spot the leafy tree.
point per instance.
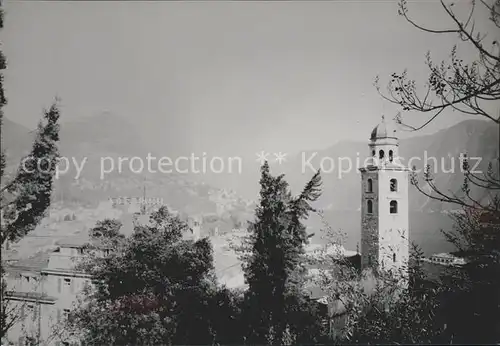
(375, 306)
(472, 304)
(272, 261)
(158, 289)
(25, 197)
(391, 314)
(107, 228)
(471, 88)
(469, 302)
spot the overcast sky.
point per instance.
(222, 77)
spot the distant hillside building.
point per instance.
(43, 290)
(446, 259)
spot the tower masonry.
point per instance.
(384, 203)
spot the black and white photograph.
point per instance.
(234, 172)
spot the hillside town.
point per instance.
(239, 174)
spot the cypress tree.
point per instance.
(273, 268)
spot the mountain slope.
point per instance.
(108, 152)
(16, 141)
(341, 185)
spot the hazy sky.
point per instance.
(222, 77)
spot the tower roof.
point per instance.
(383, 130)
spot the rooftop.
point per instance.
(35, 263)
(444, 255)
(78, 241)
(383, 130)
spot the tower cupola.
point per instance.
(384, 144)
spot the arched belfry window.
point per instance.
(381, 154)
(373, 152)
(394, 257)
(369, 187)
(390, 155)
(369, 207)
(393, 207)
(394, 185)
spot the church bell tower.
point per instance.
(384, 204)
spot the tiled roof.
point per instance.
(78, 241)
(35, 263)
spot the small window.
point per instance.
(65, 314)
(67, 282)
(393, 207)
(394, 185)
(394, 257)
(390, 156)
(381, 154)
(369, 207)
(373, 153)
(370, 185)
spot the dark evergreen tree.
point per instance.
(272, 264)
(25, 197)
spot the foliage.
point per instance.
(377, 306)
(454, 84)
(469, 298)
(107, 228)
(159, 289)
(25, 197)
(473, 300)
(471, 88)
(272, 256)
(400, 314)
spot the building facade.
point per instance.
(384, 204)
(42, 293)
(44, 289)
